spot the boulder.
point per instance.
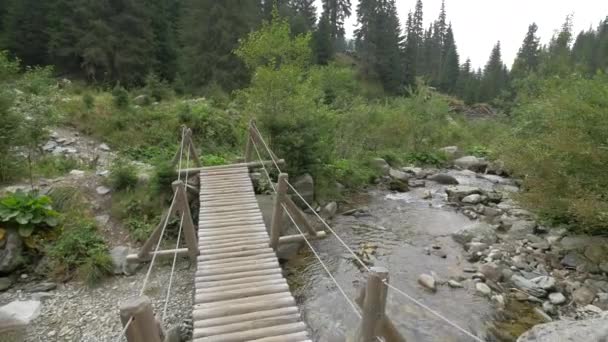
(590, 330)
(521, 229)
(544, 282)
(573, 260)
(416, 183)
(329, 210)
(427, 281)
(491, 271)
(452, 152)
(102, 190)
(444, 178)
(528, 286)
(557, 298)
(398, 185)
(483, 289)
(77, 173)
(454, 284)
(10, 252)
(457, 193)
(119, 260)
(472, 199)
(5, 283)
(480, 232)
(399, 175)
(104, 147)
(305, 185)
(24, 311)
(596, 253)
(580, 242)
(497, 167)
(584, 295)
(287, 251)
(381, 166)
(471, 163)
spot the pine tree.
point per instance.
(418, 34)
(210, 31)
(306, 12)
(583, 52)
(410, 51)
(450, 69)
(337, 11)
(494, 79)
(601, 49)
(323, 46)
(25, 30)
(557, 59)
(165, 14)
(528, 56)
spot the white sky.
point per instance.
(478, 24)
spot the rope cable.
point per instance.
(270, 153)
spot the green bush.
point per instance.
(120, 97)
(426, 159)
(27, 212)
(212, 159)
(52, 166)
(139, 229)
(80, 250)
(164, 175)
(88, 100)
(123, 175)
(157, 89)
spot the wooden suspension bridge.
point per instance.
(240, 293)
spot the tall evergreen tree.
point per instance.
(410, 51)
(557, 59)
(528, 56)
(25, 30)
(337, 11)
(450, 69)
(323, 45)
(306, 12)
(165, 15)
(210, 31)
(494, 79)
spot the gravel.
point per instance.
(74, 312)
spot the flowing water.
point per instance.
(395, 234)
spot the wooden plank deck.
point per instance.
(240, 293)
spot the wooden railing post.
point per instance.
(374, 305)
(143, 327)
(183, 206)
(249, 143)
(276, 225)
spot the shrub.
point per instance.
(123, 175)
(89, 101)
(139, 229)
(156, 88)
(164, 175)
(80, 250)
(120, 97)
(27, 212)
(52, 166)
(212, 159)
(426, 158)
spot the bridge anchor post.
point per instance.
(276, 225)
(143, 326)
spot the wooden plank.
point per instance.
(242, 308)
(213, 322)
(216, 216)
(246, 325)
(230, 222)
(231, 237)
(224, 250)
(295, 337)
(236, 226)
(202, 298)
(239, 281)
(229, 231)
(215, 289)
(231, 208)
(213, 204)
(235, 270)
(240, 275)
(233, 254)
(221, 303)
(236, 243)
(255, 333)
(239, 259)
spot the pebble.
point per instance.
(483, 289)
(427, 281)
(557, 298)
(454, 284)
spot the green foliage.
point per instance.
(157, 89)
(139, 230)
(218, 128)
(164, 175)
(121, 97)
(67, 199)
(353, 174)
(89, 101)
(480, 151)
(50, 166)
(212, 159)
(123, 175)
(80, 249)
(28, 212)
(559, 146)
(425, 159)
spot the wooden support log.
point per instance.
(218, 170)
(276, 225)
(372, 300)
(189, 230)
(164, 253)
(193, 153)
(298, 216)
(299, 238)
(143, 326)
(249, 144)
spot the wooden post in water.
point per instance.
(374, 306)
(143, 327)
(276, 225)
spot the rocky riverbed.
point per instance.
(457, 240)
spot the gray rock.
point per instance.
(549, 308)
(472, 199)
(427, 281)
(77, 173)
(104, 147)
(580, 242)
(416, 183)
(443, 178)
(454, 284)
(119, 260)
(399, 175)
(141, 100)
(584, 295)
(471, 163)
(102, 220)
(520, 229)
(288, 251)
(573, 260)
(602, 300)
(457, 193)
(590, 330)
(329, 210)
(474, 247)
(483, 289)
(49, 146)
(557, 298)
(102, 190)
(398, 185)
(10, 252)
(528, 286)
(491, 271)
(5, 283)
(544, 282)
(451, 152)
(41, 287)
(596, 253)
(414, 171)
(24, 311)
(381, 166)
(481, 232)
(305, 185)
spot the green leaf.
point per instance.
(26, 231)
(52, 221)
